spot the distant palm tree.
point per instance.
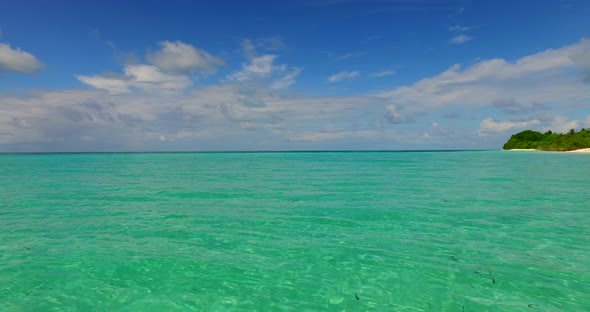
(572, 131)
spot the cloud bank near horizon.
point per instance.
(161, 104)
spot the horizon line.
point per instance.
(251, 151)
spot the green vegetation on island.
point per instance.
(549, 141)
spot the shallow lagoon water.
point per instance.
(404, 231)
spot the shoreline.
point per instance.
(582, 150)
(578, 151)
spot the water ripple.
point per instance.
(487, 231)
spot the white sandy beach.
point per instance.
(583, 150)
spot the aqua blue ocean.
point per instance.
(400, 231)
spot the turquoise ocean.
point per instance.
(297, 231)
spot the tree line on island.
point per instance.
(549, 141)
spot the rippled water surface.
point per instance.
(403, 231)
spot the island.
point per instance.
(550, 141)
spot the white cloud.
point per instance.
(18, 60)
(172, 66)
(394, 114)
(150, 77)
(138, 107)
(325, 136)
(489, 125)
(460, 28)
(259, 66)
(383, 73)
(458, 39)
(546, 78)
(181, 58)
(249, 48)
(287, 80)
(560, 124)
(263, 67)
(111, 83)
(345, 75)
(582, 59)
(87, 119)
(146, 77)
(244, 104)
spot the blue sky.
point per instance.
(303, 75)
